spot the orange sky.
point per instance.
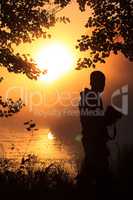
(70, 84)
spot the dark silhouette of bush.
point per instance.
(26, 182)
(33, 180)
(125, 171)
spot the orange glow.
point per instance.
(56, 58)
(50, 136)
(47, 146)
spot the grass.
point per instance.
(31, 179)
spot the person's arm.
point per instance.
(112, 116)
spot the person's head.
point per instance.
(97, 81)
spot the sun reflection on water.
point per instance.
(47, 146)
(43, 144)
(51, 136)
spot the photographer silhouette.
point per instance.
(94, 122)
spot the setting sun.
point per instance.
(56, 58)
(50, 136)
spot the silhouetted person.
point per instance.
(94, 122)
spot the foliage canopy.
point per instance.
(112, 30)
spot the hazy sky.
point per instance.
(61, 96)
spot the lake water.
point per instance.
(41, 143)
